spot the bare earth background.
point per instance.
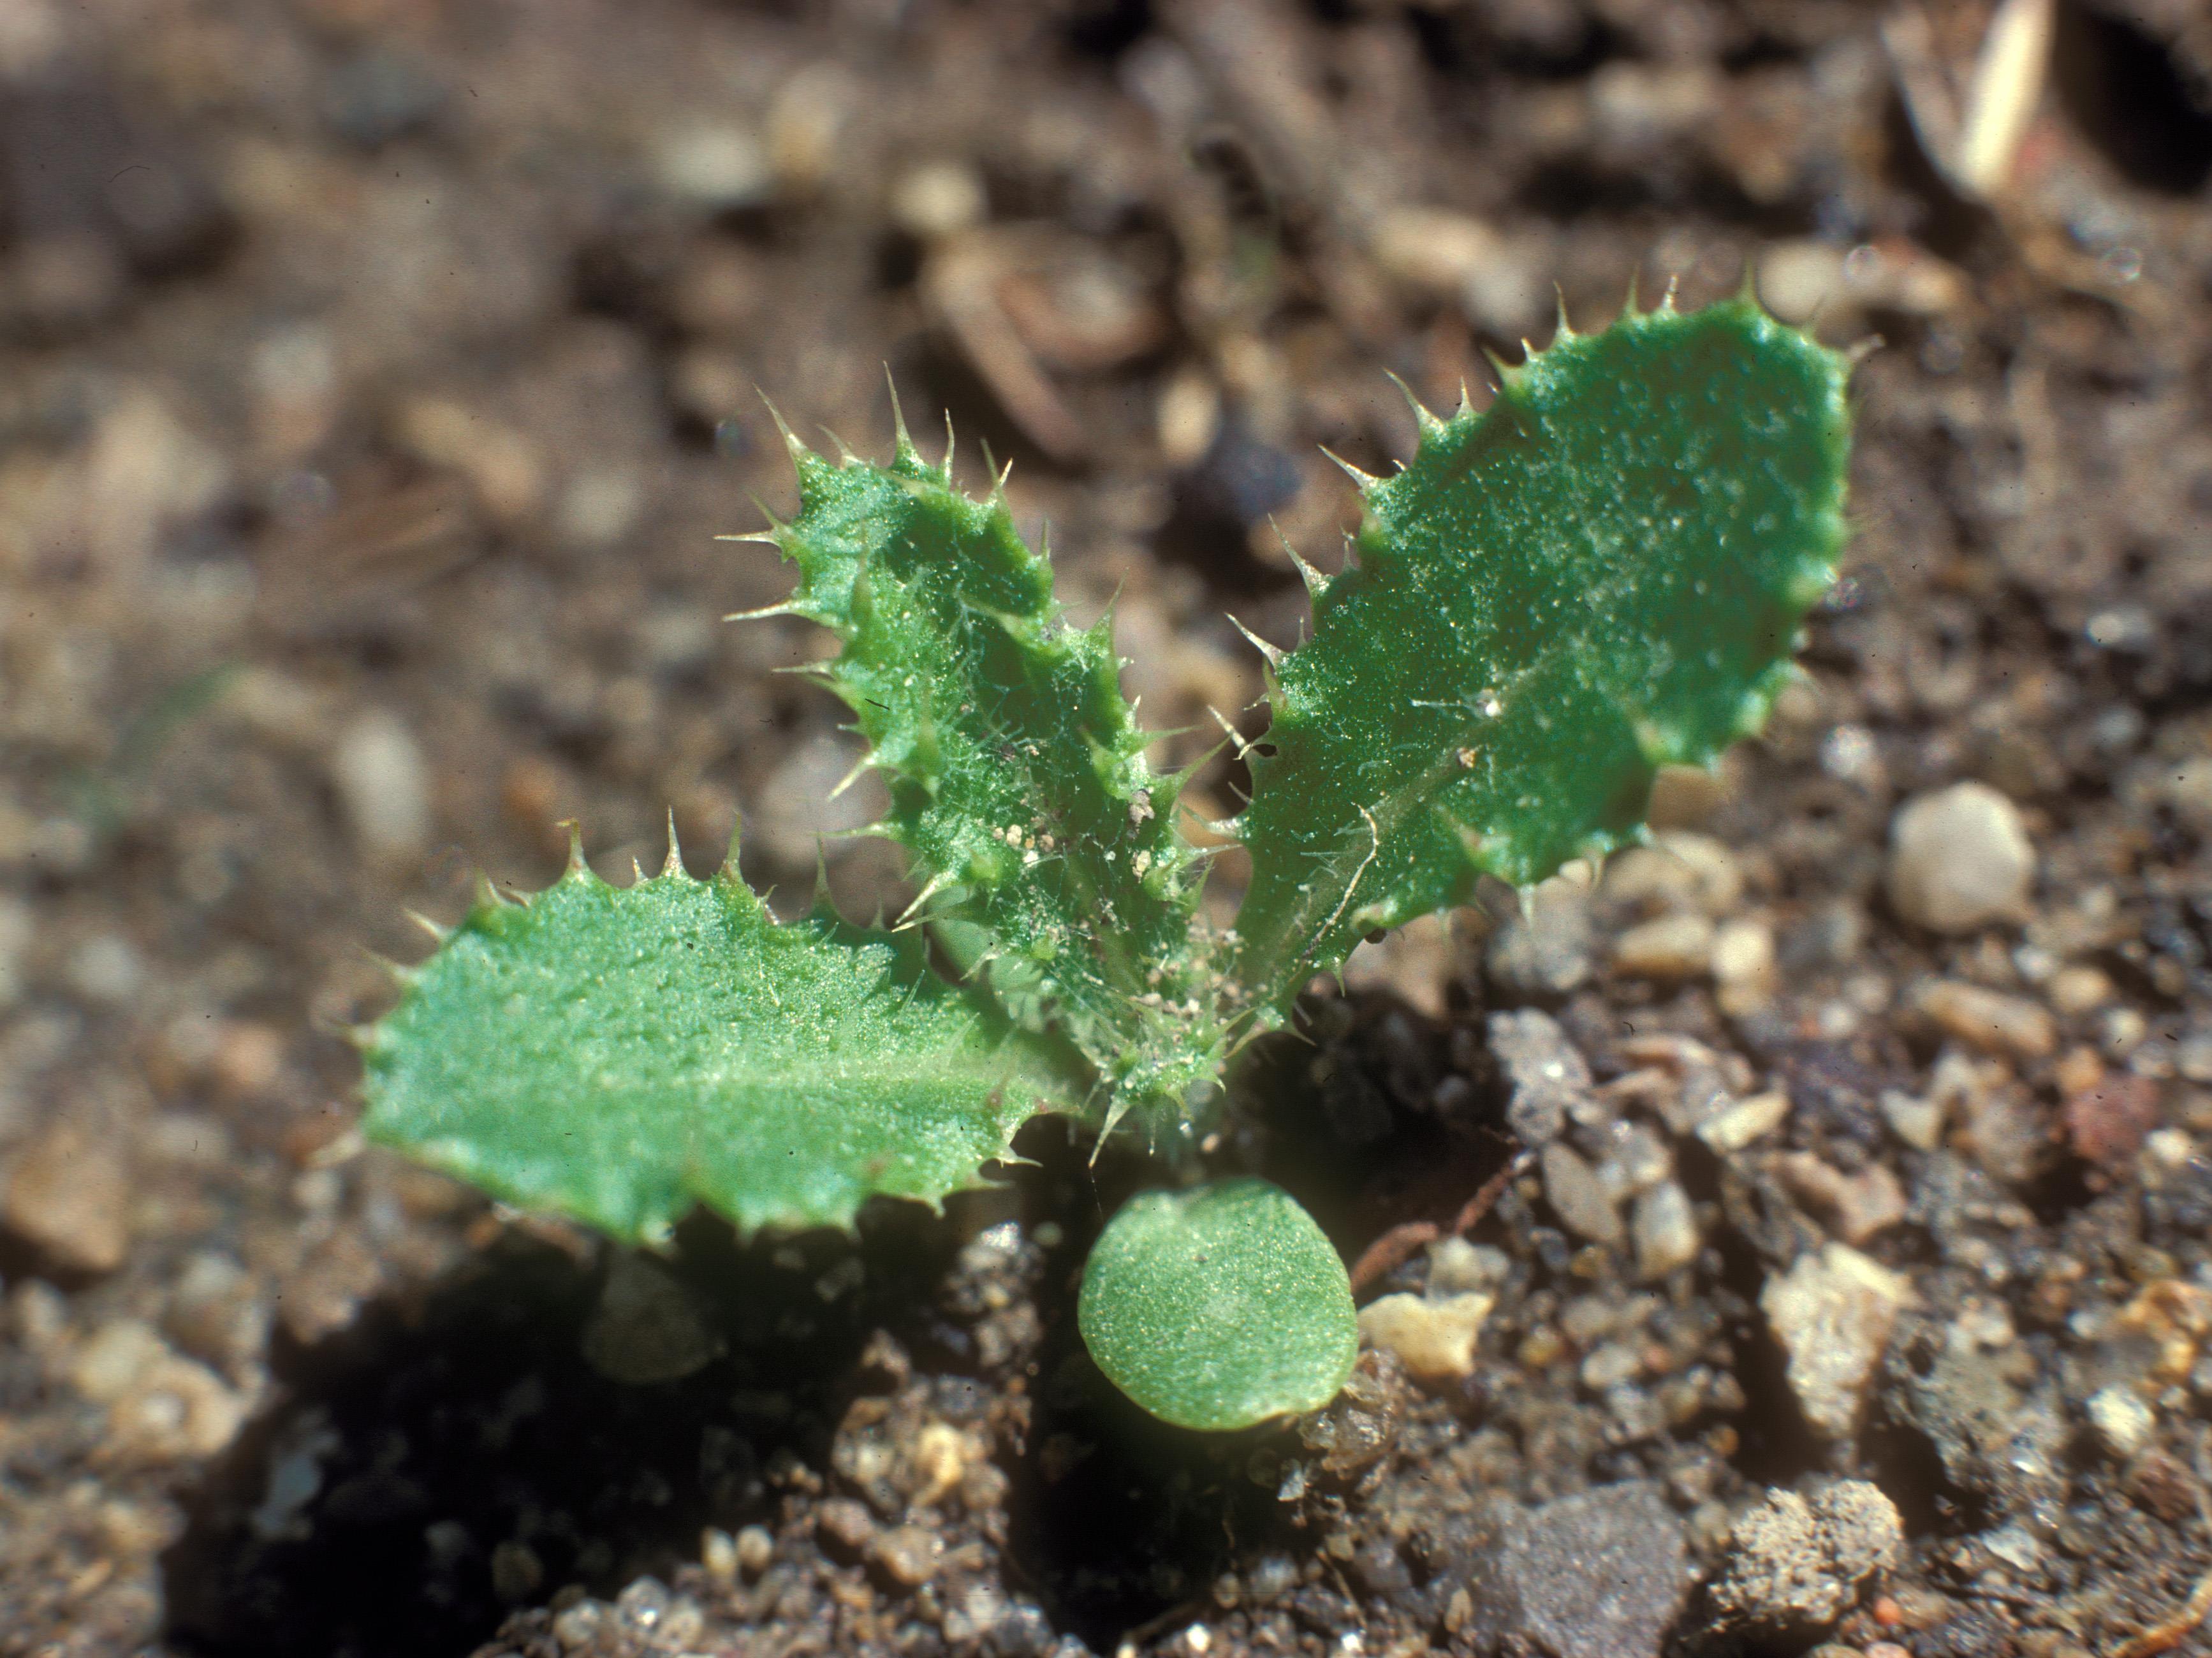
(374, 374)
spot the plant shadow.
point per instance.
(448, 1458)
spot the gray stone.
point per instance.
(1600, 1575)
(1959, 859)
(1549, 1079)
(1545, 951)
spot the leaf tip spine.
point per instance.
(1366, 483)
(1424, 418)
(903, 442)
(1274, 654)
(673, 864)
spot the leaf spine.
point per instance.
(799, 450)
(936, 884)
(1424, 417)
(1317, 584)
(904, 444)
(1274, 654)
(1365, 483)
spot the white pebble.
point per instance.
(1433, 1340)
(1665, 1230)
(384, 785)
(1959, 859)
(1833, 1313)
(2123, 1421)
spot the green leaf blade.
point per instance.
(616, 1055)
(1600, 573)
(1016, 769)
(1219, 1307)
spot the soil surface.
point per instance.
(374, 377)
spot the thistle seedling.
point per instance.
(1600, 573)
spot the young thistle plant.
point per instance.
(1601, 573)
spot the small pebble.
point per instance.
(70, 1198)
(1602, 1573)
(1858, 1206)
(1433, 1340)
(908, 1553)
(1678, 946)
(645, 1327)
(1917, 1122)
(1578, 1197)
(718, 1554)
(1456, 1266)
(1793, 1562)
(1545, 951)
(717, 168)
(105, 968)
(1989, 1019)
(1549, 1077)
(1610, 1365)
(383, 785)
(1833, 1313)
(937, 199)
(1740, 1122)
(517, 1573)
(756, 1547)
(2076, 990)
(1665, 1231)
(2123, 1421)
(1743, 965)
(15, 945)
(1679, 871)
(1639, 1160)
(1959, 859)
(845, 1524)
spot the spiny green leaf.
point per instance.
(1218, 1307)
(1602, 573)
(617, 1053)
(1016, 772)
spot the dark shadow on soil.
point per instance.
(2133, 100)
(442, 1461)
